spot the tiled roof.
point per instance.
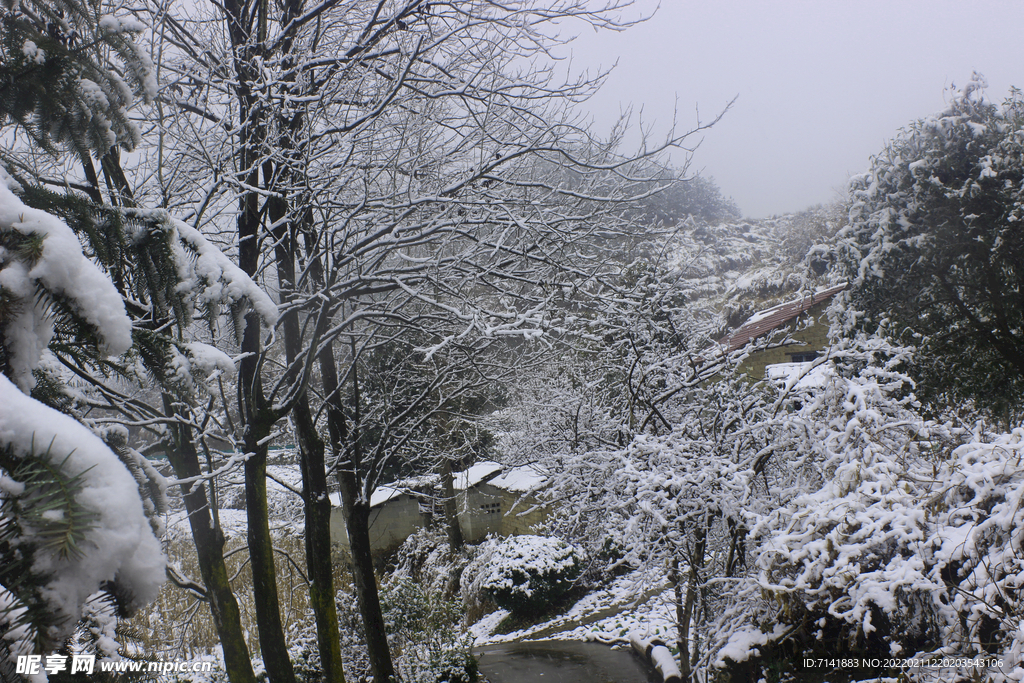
(765, 321)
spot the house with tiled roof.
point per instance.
(491, 499)
(803, 318)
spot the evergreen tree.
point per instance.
(69, 74)
(68, 77)
(934, 249)
(72, 521)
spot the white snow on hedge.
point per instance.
(120, 543)
(500, 564)
(61, 269)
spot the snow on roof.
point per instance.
(383, 494)
(763, 322)
(522, 479)
(805, 376)
(380, 496)
(476, 474)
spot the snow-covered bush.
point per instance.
(426, 634)
(524, 574)
(355, 660)
(894, 535)
(910, 553)
(425, 558)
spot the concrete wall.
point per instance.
(491, 510)
(484, 509)
(390, 524)
(815, 338)
(521, 515)
(480, 512)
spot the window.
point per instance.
(491, 508)
(803, 356)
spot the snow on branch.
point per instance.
(117, 543)
(220, 277)
(53, 263)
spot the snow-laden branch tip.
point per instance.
(60, 269)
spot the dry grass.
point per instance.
(177, 625)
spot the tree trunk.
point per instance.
(209, 541)
(258, 417)
(258, 422)
(261, 559)
(357, 524)
(451, 508)
(316, 504)
(317, 507)
(684, 608)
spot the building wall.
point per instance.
(815, 338)
(484, 509)
(390, 524)
(521, 515)
(480, 512)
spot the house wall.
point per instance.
(521, 515)
(480, 512)
(483, 509)
(390, 524)
(815, 338)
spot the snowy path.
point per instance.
(569, 623)
(561, 661)
(606, 616)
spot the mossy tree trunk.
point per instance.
(209, 542)
(356, 511)
(316, 503)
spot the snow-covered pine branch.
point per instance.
(71, 519)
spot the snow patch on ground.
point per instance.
(633, 602)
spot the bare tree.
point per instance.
(402, 173)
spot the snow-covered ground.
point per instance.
(285, 506)
(636, 602)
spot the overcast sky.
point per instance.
(822, 84)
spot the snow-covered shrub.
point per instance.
(303, 651)
(426, 559)
(454, 666)
(836, 550)
(426, 634)
(475, 600)
(901, 536)
(908, 554)
(608, 560)
(355, 661)
(524, 574)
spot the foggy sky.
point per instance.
(822, 84)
